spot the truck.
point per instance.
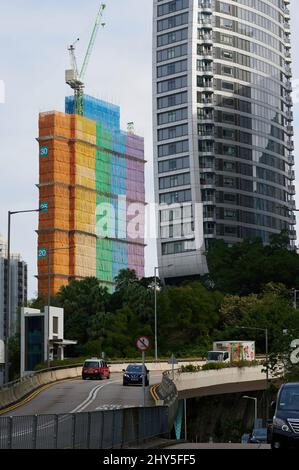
(232, 351)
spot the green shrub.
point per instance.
(190, 368)
(215, 366)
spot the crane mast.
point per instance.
(72, 76)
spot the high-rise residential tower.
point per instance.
(18, 293)
(92, 196)
(223, 134)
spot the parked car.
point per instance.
(133, 374)
(95, 369)
(259, 436)
(285, 429)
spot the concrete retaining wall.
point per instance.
(214, 382)
(16, 392)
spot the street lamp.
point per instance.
(265, 330)
(8, 303)
(255, 407)
(156, 320)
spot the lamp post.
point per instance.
(255, 407)
(265, 330)
(156, 319)
(8, 302)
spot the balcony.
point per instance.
(288, 71)
(291, 160)
(206, 38)
(206, 23)
(292, 234)
(290, 145)
(206, 6)
(206, 70)
(292, 189)
(288, 57)
(291, 175)
(288, 85)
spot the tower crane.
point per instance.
(73, 77)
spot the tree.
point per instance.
(82, 302)
(187, 315)
(246, 267)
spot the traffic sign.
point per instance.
(173, 360)
(143, 343)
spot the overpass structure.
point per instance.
(94, 426)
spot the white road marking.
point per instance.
(92, 396)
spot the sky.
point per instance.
(34, 36)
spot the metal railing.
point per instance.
(96, 430)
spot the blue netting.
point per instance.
(105, 113)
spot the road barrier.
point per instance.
(111, 429)
(14, 392)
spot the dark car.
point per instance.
(285, 429)
(95, 369)
(259, 436)
(133, 375)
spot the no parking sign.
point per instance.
(143, 343)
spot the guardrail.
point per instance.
(96, 430)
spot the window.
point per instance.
(228, 117)
(173, 148)
(230, 214)
(172, 68)
(172, 22)
(227, 86)
(167, 182)
(227, 55)
(55, 325)
(225, 39)
(172, 84)
(174, 197)
(173, 116)
(173, 132)
(227, 70)
(174, 164)
(178, 247)
(225, 8)
(227, 24)
(229, 182)
(229, 134)
(173, 100)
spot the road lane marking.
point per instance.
(92, 396)
(33, 395)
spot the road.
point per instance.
(221, 446)
(75, 396)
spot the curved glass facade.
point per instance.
(229, 62)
